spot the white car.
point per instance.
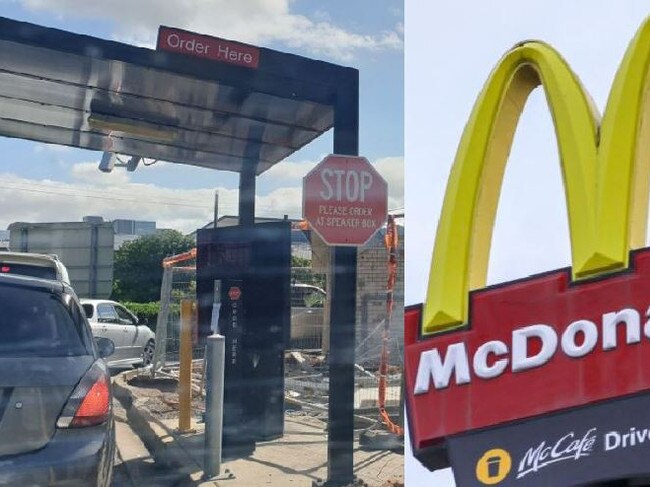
(133, 339)
(44, 266)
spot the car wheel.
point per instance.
(148, 352)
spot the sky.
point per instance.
(40, 182)
(450, 48)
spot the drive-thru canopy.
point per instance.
(70, 89)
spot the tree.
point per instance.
(138, 265)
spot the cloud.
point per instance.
(87, 172)
(392, 170)
(254, 21)
(40, 148)
(53, 201)
(289, 170)
(114, 195)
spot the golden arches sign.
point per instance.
(605, 168)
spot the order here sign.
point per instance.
(345, 200)
(198, 45)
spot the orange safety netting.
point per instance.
(391, 240)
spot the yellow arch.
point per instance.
(624, 154)
(605, 172)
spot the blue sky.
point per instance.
(450, 49)
(365, 34)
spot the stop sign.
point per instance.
(234, 293)
(345, 200)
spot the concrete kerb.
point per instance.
(166, 453)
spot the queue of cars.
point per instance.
(133, 339)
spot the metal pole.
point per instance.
(340, 427)
(188, 307)
(214, 366)
(247, 195)
(216, 208)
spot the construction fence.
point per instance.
(379, 336)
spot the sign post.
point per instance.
(345, 202)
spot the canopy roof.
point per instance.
(70, 89)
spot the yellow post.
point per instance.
(188, 315)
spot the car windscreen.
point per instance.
(35, 323)
(28, 270)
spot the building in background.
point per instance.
(4, 240)
(129, 230)
(371, 308)
(85, 248)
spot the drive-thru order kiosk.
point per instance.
(201, 101)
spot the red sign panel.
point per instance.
(345, 200)
(533, 346)
(234, 293)
(192, 44)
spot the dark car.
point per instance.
(56, 420)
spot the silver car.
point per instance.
(307, 306)
(134, 341)
(44, 266)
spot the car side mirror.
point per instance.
(105, 346)
(143, 321)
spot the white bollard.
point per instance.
(214, 364)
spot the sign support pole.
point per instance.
(247, 195)
(340, 428)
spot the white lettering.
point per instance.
(349, 185)
(352, 186)
(646, 327)
(520, 358)
(173, 40)
(632, 321)
(432, 367)
(566, 448)
(590, 332)
(326, 173)
(481, 367)
(490, 359)
(366, 184)
(612, 440)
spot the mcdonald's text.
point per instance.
(539, 345)
(492, 358)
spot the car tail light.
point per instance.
(90, 402)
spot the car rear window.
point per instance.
(38, 324)
(28, 270)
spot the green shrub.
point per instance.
(148, 311)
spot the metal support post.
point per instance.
(340, 428)
(214, 365)
(247, 195)
(188, 312)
